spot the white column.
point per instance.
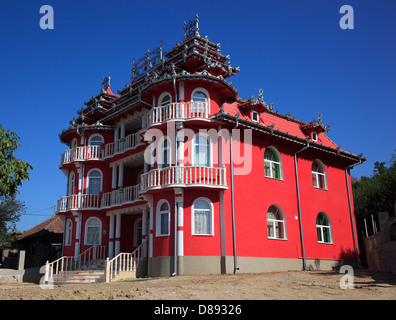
(116, 134)
(121, 175)
(180, 229)
(180, 149)
(111, 237)
(118, 234)
(122, 133)
(114, 177)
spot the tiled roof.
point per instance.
(53, 224)
(283, 123)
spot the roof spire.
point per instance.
(191, 28)
(106, 83)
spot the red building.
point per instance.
(207, 181)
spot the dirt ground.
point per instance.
(305, 285)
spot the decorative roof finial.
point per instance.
(191, 28)
(106, 82)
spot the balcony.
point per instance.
(106, 200)
(180, 176)
(130, 142)
(176, 111)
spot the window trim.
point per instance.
(160, 153)
(86, 231)
(88, 178)
(283, 220)
(206, 92)
(324, 174)
(207, 200)
(68, 232)
(158, 218)
(274, 150)
(329, 227)
(162, 96)
(135, 228)
(254, 112)
(71, 184)
(93, 136)
(314, 136)
(193, 153)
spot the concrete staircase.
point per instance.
(95, 272)
(79, 276)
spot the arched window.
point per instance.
(137, 234)
(275, 223)
(272, 164)
(164, 153)
(163, 218)
(318, 175)
(95, 140)
(94, 183)
(73, 144)
(164, 99)
(68, 232)
(200, 95)
(72, 179)
(323, 228)
(93, 231)
(201, 150)
(202, 217)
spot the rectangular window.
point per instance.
(164, 223)
(255, 116)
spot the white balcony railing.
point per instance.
(96, 201)
(176, 111)
(184, 176)
(131, 141)
(79, 201)
(82, 154)
(121, 196)
(121, 145)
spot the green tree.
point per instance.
(10, 212)
(376, 193)
(12, 171)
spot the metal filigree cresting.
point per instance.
(146, 63)
(191, 28)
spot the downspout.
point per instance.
(299, 205)
(232, 201)
(351, 211)
(175, 205)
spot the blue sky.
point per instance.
(294, 50)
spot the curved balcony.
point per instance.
(176, 111)
(109, 150)
(180, 176)
(127, 195)
(81, 154)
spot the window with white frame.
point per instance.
(163, 218)
(200, 96)
(164, 99)
(137, 234)
(201, 150)
(275, 223)
(95, 140)
(164, 153)
(255, 116)
(272, 164)
(73, 144)
(68, 232)
(323, 228)
(314, 136)
(72, 179)
(93, 231)
(202, 217)
(94, 182)
(318, 175)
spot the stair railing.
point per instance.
(125, 261)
